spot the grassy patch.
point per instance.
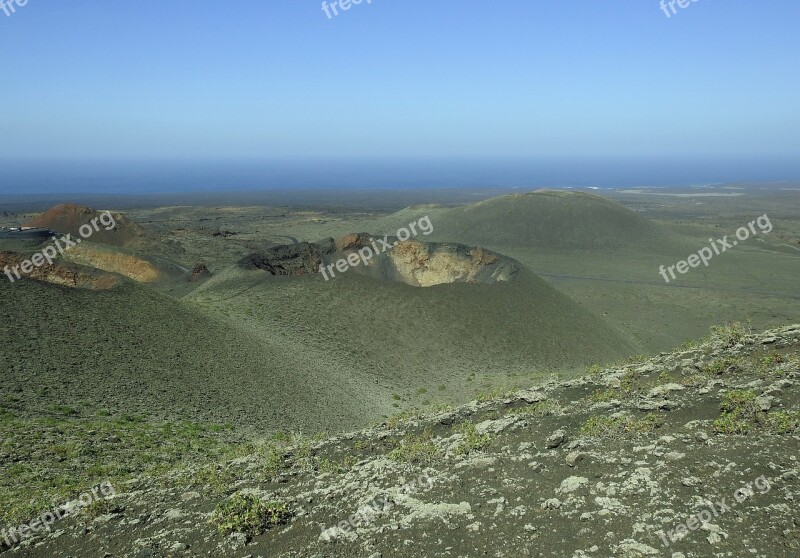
(740, 414)
(603, 395)
(785, 422)
(723, 365)
(249, 514)
(631, 382)
(418, 449)
(494, 394)
(400, 418)
(472, 440)
(56, 459)
(730, 334)
(602, 426)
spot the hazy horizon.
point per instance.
(149, 176)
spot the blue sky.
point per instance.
(98, 79)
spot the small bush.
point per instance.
(616, 426)
(497, 393)
(603, 395)
(729, 334)
(248, 514)
(770, 366)
(631, 383)
(97, 508)
(785, 422)
(472, 440)
(595, 369)
(416, 449)
(719, 366)
(270, 460)
(739, 413)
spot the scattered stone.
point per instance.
(551, 504)
(764, 403)
(556, 439)
(571, 484)
(574, 458)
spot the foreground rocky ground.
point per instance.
(689, 454)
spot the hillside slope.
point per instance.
(131, 351)
(440, 343)
(68, 219)
(545, 221)
(690, 454)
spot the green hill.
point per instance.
(545, 222)
(409, 344)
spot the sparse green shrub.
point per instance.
(472, 440)
(599, 426)
(741, 402)
(494, 394)
(302, 452)
(739, 413)
(215, 478)
(270, 460)
(284, 437)
(630, 383)
(720, 366)
(770, 365)
(595, 369)
(96, 508)
(730, 334)
(785, 422)
(418, 449)
(603, 395)
(694, 380)
(402, 417)
(248, 514)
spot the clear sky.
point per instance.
(107, 79)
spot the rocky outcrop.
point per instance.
(60, 274)
(427, 264)
(199, 273)
(291, 260)
(416, 263)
